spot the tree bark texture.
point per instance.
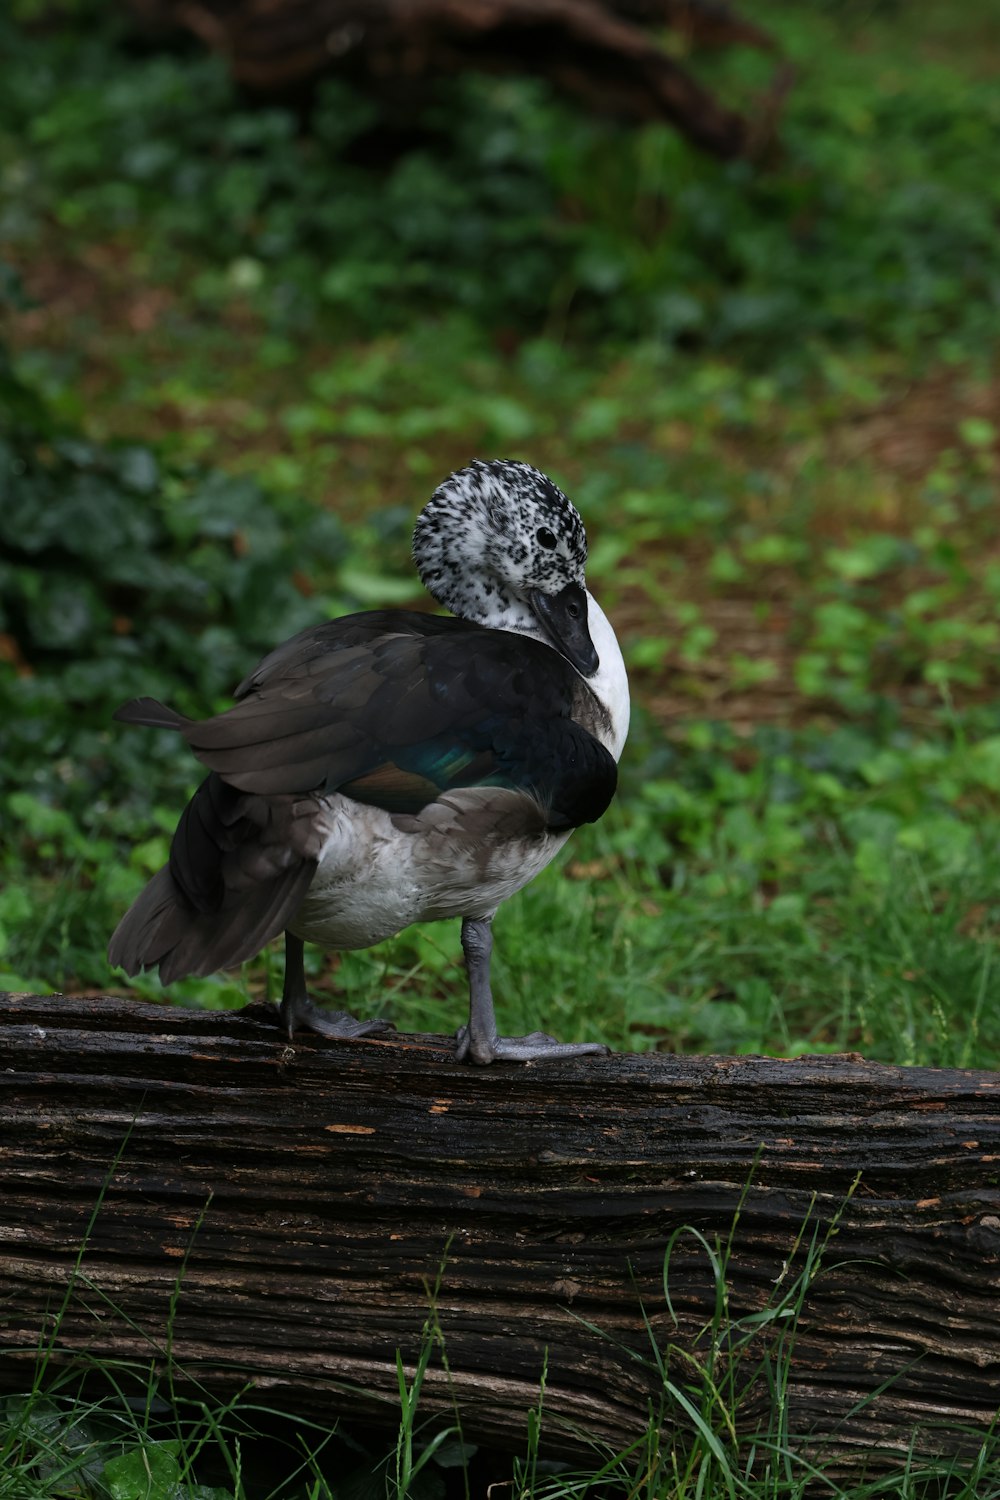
(280, 1213)
(605, 53)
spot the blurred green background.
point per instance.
(239, 350)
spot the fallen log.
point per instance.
(284, 1213)
(607, 54)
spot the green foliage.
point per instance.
(123, 1436)
(754, 891)
(153, 1471)
(120, 574)
(875, 225)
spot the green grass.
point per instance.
(717, 476)
(238, 355)
(122, 1436)
(805, 576)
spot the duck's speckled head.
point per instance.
(500, 544)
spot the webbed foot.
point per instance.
(301, 1014)
(478, 1042)
(538, 1046)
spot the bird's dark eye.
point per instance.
(544, 537)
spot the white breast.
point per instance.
(460, 857)
(610, 682)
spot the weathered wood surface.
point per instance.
(310, 1194)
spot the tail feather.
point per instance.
(149, 928)
(161, 930)
(238, 872)
(151, 713)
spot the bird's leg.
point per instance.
(478, 1042)
(298, 1013)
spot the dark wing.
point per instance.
(305, 654)
(395, 709)
(390, 709)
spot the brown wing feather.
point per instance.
(391, 787)
(239, 870)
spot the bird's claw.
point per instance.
(338, 1025)
(538, 1046)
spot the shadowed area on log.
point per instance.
(286, 1211)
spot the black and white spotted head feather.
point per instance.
(491, 535)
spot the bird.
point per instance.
(398, 766)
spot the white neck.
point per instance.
(609, 683)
